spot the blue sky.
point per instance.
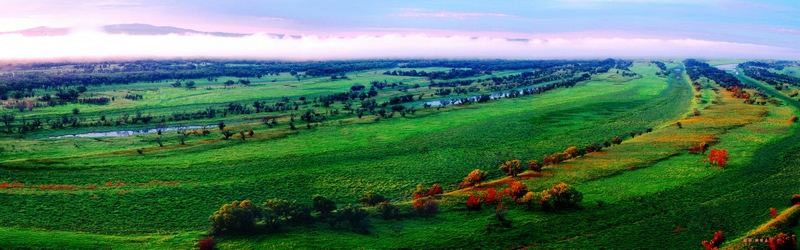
(773, 24)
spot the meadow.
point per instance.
(647, 192)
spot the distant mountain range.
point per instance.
(40, 31)
(129, 29)
(150, 30)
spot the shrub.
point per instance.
(426, 207)
(207, 243)
(435, 189)
(715, 242)
(322, 204)
(289, 211)
(718, 157)
(473, 203)
(773, 212)
(474, 178)
(517, 190)
(534, 165)
(793, 119)
(795, 199)
(371, 199)
(783, 242)
(388, 210)
(234, 217)
(511, 168)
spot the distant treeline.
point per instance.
(696, 69)
(760, 71)
(94, 74)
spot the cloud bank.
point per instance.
(93, 45)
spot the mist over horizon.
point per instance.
(308, 30)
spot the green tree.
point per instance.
(7, 119)
(322, 204)
(234, 217)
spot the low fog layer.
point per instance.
(95, 45)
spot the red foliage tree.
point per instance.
(782, 242)
(773, 212)
(715, 242)
(435, 189)
(491, 196)
(473, 203)
(718, 157)
(207, 243)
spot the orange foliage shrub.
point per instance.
(715, 242)
(718, 157)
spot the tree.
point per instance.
(292, 212)
(474, 178)
(435, 189)
(229, 82)
(75, 111)
(234, 217)
(190, 85)
(7, 119)
(517, 190)
(511, 168)
(371, 199)
(473, 203)
(560, 196)
(176, 84)
(715, 242)
(795, 199)
(387, 210)
(782, 242)
(221, 125)
(322, 204)
(534, 165)
(356, 216)
(718, 157)
(426, 207)
(207, 243)
(616, 140)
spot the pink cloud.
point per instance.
(446, 14)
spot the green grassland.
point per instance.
(655, 194)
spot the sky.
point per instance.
(339, 29)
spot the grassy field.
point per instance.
(654, 194)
